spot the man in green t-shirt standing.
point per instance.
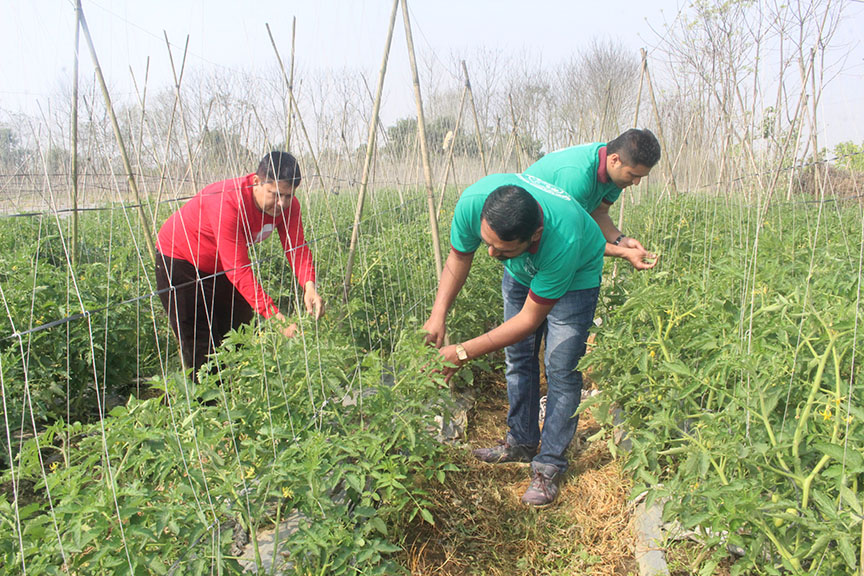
(595, 174)
(552, 253)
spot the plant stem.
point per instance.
(808, 407)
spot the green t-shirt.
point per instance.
(569, 255)
(574, 170)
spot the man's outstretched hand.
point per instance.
(637, 255)
(313, 301)
(287, 330)
(435, 331)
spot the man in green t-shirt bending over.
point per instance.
(552, 253)
(595, 174)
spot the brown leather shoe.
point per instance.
(544, 485)
(504, 451)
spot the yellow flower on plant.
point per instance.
(250, 472)
(287, 493)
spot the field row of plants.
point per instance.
(336, 424)
(732, 363)
(734, 367)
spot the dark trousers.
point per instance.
(201, 308)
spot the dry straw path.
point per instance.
(481, 527)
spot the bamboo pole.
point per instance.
(179, 102)
(424, 145)
(635, 125)
(142, 99)
(74, 130)
(317, 169)
(520, 153)
(666, 162)
(130, 176)
(623, 197)
(164, 163)
(370, 149)
(290, 81)
(814, 132)
(606, 102)
(496, 136)
(449, 162)
(477, 131)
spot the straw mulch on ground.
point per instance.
(481, 527)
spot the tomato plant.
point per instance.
(735, 383)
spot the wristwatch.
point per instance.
(461, 353)
(618, 240)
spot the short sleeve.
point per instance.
(465, 228)
(612, 196)
(554, 278)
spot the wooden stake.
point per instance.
(130, 176)
(370, 149)
(179, 102)
(449, 162)
(74, 251)
(635, 125)
(623, 198)
(520, 153)
(290, 82)
(424, 145)
(668, 166)
(477, 131)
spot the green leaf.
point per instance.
(850, 499)
(364, 511)
(833, 450)
(819, 545)
(678, 367)
(847, 551)
(379, 525)
(427, 516)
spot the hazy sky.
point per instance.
(37, 38)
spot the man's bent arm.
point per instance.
(513, 330)
(604, 221)
(629, 249)
(453, 277)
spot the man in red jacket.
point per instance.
(203, 270)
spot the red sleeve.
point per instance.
(459, 251)
(540, 299)
(233, 252)
(293, 241)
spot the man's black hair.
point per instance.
(636, 148)
(512, 213)
(278, 166)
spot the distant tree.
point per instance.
(439, 133)
(850, 155)
(11, 152)
(58, 161)
(597, 91)
(221, 149)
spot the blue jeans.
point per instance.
(566, 331)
